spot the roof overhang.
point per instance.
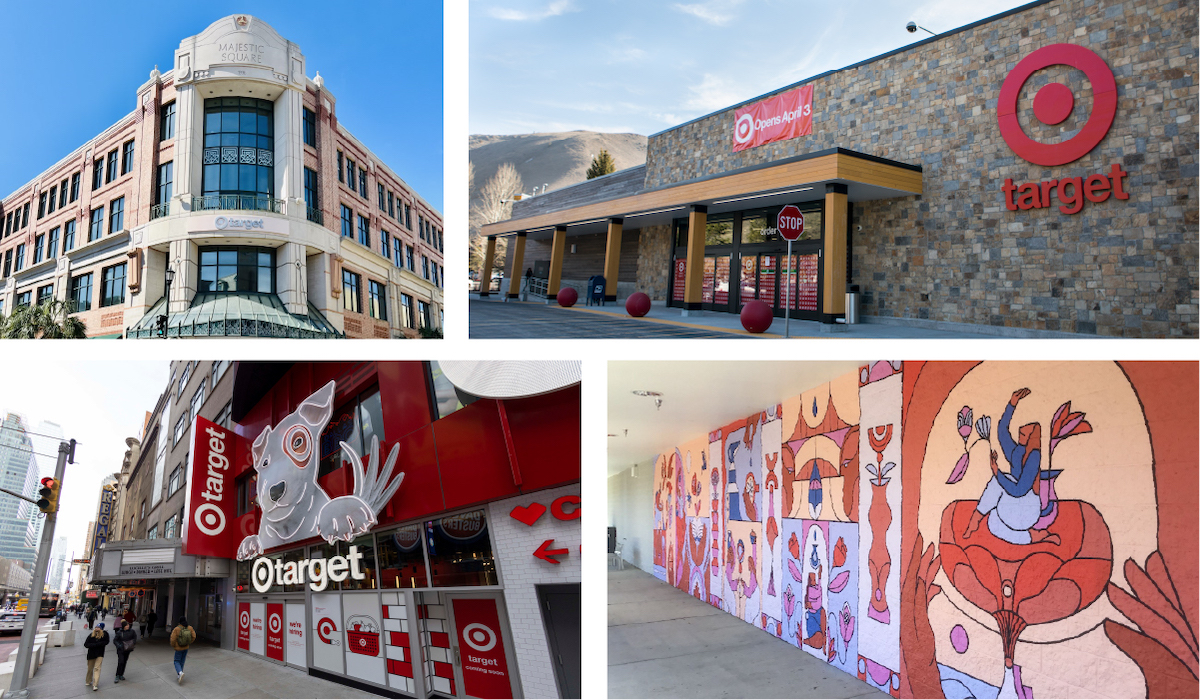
(793, 180)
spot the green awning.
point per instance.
(235, 314)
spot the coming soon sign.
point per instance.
(785, 116)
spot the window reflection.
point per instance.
(366, 547)
(401, 561)
(355, 423)
(460, 550)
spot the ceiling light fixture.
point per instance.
(657, 396)
(757, 196)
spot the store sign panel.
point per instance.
(364, 637)
(243, 630)
(481, 647)
(287, 463)
(784, 116)
(317, 572)
(1052, 104)
(257, 637)
(328, 651)
(209, 528)
(295, 643)
(104, 519)
(564, 508)
(275, 630)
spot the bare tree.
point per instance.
(493, 204)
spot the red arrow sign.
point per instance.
(546, 554)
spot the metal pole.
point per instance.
(787, 293)
(20, 678)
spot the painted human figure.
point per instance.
(749, 493)
(1011, 502)
(814, 610)
(743, 581)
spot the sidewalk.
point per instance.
(209, 673)
(660, 314)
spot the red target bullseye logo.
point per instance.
(743, 130)
(275, 623)
(326, 628)
(1054, 102)
(244, 619)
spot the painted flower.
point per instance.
(839, 552)
(794, 546)
(964, 422)
(789, 601)
(846, 623)
(984, 427)
(1066, 424)
(960, 469)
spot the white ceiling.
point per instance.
(697, 397)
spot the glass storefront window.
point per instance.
(242, 579)
(718, 232)
(366, 547)
(754, 230)
(460, 550)
(239, 155)
(241, 269)
(354, 423)
(447, 397)
(326, 552)
(276, 585)
(294, 555)
(401, 561)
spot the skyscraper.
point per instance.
(58, 564)
(19, 473)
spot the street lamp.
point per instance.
(162, 318)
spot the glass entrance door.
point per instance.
(767, 277)
(481, 642)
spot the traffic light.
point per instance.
(161, 325)
(48, 501)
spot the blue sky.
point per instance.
(641, 67)
(69, 70)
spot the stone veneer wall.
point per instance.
(1118, 268)
(652, 275)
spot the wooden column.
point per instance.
(693, 288)
(612, 258)
(833, 258)
(518, 265)
(556, 261)
(485, 279)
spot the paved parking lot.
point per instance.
(490, 319)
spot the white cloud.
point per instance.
(715, 12)
(554, 9)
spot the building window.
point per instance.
(184, 379)
(62, 193)
(112, 291)
(223, 417)
(391, 205)
(180, 429)
(41, 205)
(239, 148)
(39, 248)
(166, 182)
(425, 266)
(408, 217)
(347, 222)
(152, 533)
(406, 311)
(401, 558)
(351, 283)
(173, 482)
(127, 157)
(398, 245)
(50, 204)
(312, 197)
(166, 122)
(355, 423)
(310, 127)
(116, 215)
(362, 182)
(169, 527)
(143, 514)
(364, 231)
(382, 199)
(81, 292)
(97, 174)
(52, 243)
(23, 299)
(339, 162)
(20, 262)
(75, 187)
(8, 262)
(218, 370)
(423, 315)
(69, 236)
(435, 275)
(351, 173)
(408, 254)
(237, 269)
(198, 400)
(112, 167)
(421, 227)
(386, 244)
(460, 550)
(378, 300)
(8, 225)
(96, 227)
(45, 294)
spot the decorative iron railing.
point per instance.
(237, 202)
(316, 216)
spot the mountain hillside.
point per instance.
(556, 160)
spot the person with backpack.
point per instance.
(124, 639)
(181, 638)
(96, 643)
(152, 618)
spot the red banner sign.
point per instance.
(484, 666)
(680, 280)
(778, 118)
(275, 631)
(243, 626)
(211, 505)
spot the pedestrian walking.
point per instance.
(152, 618)
(142, 623)
(128, 616)
(124, 640)
(91, 618)
(96, 643)
(181, 639)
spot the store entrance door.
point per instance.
(562, 614)
(484, 660)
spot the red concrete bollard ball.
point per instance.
(567, 296)
(757, 316)
(638, 304)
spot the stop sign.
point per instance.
(790, 222)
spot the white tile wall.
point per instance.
(514, 544)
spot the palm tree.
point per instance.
(50, 319)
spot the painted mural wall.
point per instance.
(956, 529)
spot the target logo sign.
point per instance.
(210, 505)
(326, 629)
(743, 129)
(244, 619)
(1052, 104)
(243, 628)
(479, 637)
(210, 520)
(274, 623)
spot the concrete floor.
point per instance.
(663, 643)
(208, 673)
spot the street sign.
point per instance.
(81, 561)
(790, 222)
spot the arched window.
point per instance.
(239, 155)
